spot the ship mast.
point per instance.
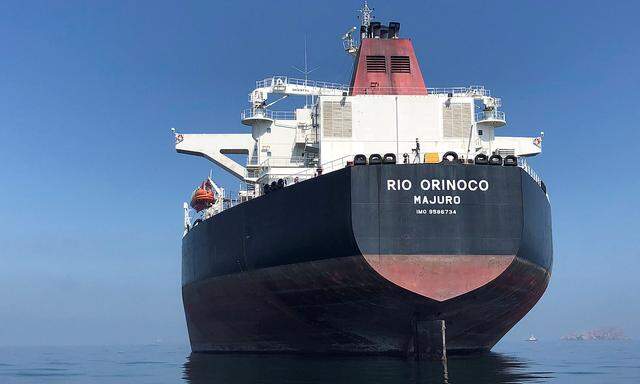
(367, 15)
(348, 42)
(306, 73)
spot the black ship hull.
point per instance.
(346, 262)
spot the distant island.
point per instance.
(606, 333)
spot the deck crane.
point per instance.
(287, 86)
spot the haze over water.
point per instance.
(91, 217)
(511, 362)
(92, 189)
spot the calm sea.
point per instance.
(511, 362)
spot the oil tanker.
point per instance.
(373, 209)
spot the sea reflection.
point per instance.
(490, 368)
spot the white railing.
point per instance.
(281, 162)
(474, 90)
(335, 164)
(329, 166)
(253, 173)
(312, 171)
(318, 84)
(283, 81)
(276, 81)
(253, 160)
(266, 113)
(490, 115)
(522, 163)
(306, 135)
(291, 161)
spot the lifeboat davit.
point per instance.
(203, 197)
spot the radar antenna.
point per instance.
(348, 42)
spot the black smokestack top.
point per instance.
(384, 32)
(394, 29)
(375, 29)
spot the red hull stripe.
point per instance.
(440, 277)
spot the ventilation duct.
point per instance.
(400, 64)
(375, 29)
(384, 32)
(394, 30)
(376, 64)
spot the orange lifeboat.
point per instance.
(203, 197)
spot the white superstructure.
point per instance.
(327, 134)
(335, 123)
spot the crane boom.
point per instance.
(290, 86)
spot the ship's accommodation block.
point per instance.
(387, 108)
(393, 124)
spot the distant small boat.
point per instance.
(532, 339)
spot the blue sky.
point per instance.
(90, 215)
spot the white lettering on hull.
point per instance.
(432, 185)
(446, 185)
(440, 199)
(397, 185)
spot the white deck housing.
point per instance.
(295, 145)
